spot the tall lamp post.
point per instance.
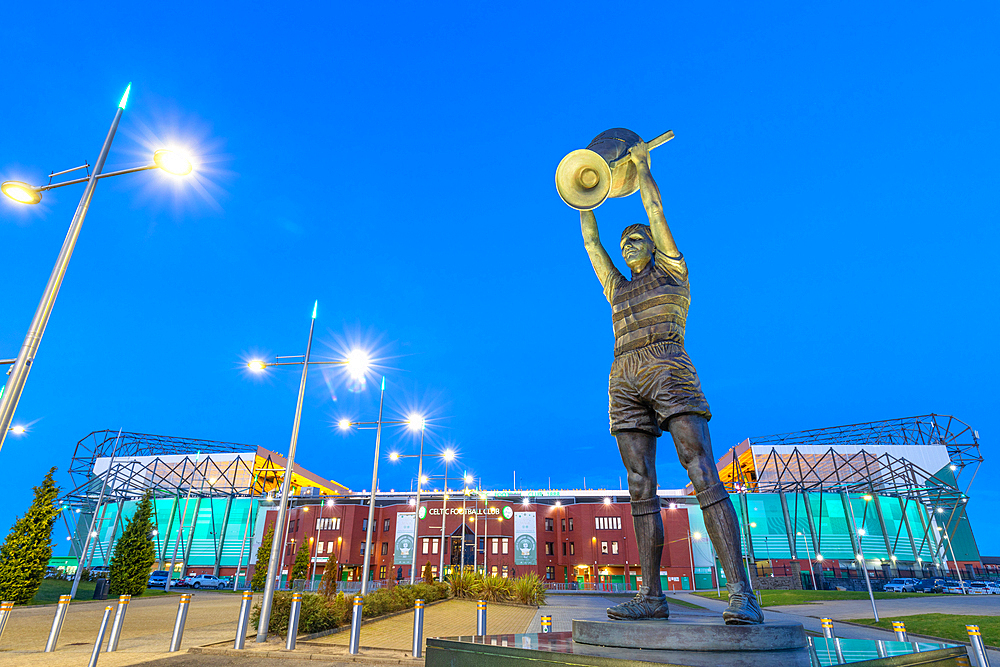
(30, 194)
(358, 362)
(345, 424)
(448, 455)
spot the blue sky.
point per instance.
(832, 186)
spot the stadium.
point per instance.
(816, 508)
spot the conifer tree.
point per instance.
(25, 553)
(428, 573)
(134, 553)
(300, 568)
(328, 584)
(259, 579)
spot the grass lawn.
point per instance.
(51, 589)
(775, 598)
(946, 626)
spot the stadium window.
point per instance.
(434, 546)
(504, 575)
(608, 522)
(364, 524)
(614, 547)
(362, 548)
(496, 545)
(550, 548)
(572, 548)
(550, 573)
(381, 572)
(563, 523)
(385, 525)
(493, 570)
(482, 544)
(385, 549)
(548, 523)
(604, 547)
(564, 548)
(319, 548)
(571, 523)
(427, 545)
(505, 546)
(329, 547)
(336, 523)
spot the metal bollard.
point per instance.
(243, 620)
(5, 609)
(481, 617)
(355, 626)
(182, 614)
(293, 621)
(57, 623)
(546, 624)
(116, 625)
(900, 629)
(880, 647)
(977, 645)
(100, 638)
(827, 624)
(418, 628)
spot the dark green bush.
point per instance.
(320, 613)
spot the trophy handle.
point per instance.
(658, 141)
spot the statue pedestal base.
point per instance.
(690, 633)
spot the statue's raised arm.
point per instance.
(599, 258)
(652, 201)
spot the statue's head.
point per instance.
(637, 247)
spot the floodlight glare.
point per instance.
(423, 479)
(416, 422)
(17, 430)
(357, 363)
(696, 535)
(819, 558)
(394, 456)
(257, 365)
(171, 162)
(449, 454)
(344, 424)
(607, 501)
(21, 192)
(469, 479)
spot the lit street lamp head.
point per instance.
(357, 363)
(171, 162)
(394, 456)
(416, 422)
(257, 365)
(344, 424)
(17, 430)
(449, 454)
(21, 192)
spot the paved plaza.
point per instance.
(212, 624)
(146, 633)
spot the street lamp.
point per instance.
(277, 545)
(23, 193)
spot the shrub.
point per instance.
(428, 574)
(320, 613)
(529, 589)
(465, 584)
(259, 579)
(328, 583)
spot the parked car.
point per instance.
(979, 588)
(930, 586)
(901, 585)
(226, 582)
(158, 579)
(205, 581)
(994, 587)
(955, 586)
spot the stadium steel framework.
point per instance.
(864, 472)
(196, 474)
